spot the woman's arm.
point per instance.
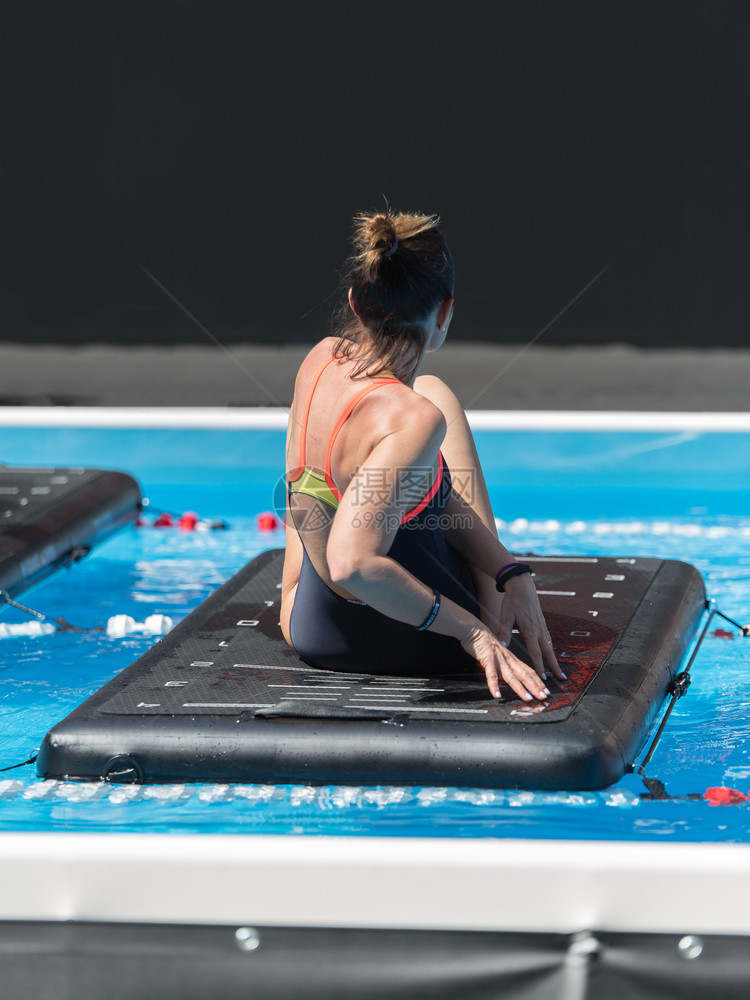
(472, 504)
(481, 548)
(362, 533)
(289, 575)
(292, 551)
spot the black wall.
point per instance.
(225, 145)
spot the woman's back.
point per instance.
(335, 423)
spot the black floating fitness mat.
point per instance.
(50, 517)
(223, 698)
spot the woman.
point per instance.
(390, 567)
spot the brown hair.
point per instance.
(400, 272)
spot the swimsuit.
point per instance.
(334, 633)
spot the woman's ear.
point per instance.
(445, 313)
(351, 303)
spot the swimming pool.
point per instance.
(674, 486)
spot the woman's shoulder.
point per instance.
(404, 410)
(321, 351)
(315, 357)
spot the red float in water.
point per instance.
(721, 796)
(267, 522)
(188, 521)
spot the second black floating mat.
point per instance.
(50, 517)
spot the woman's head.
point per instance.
(401, 273)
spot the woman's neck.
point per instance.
(367, 347)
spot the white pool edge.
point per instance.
(275, 418)
(303, 881)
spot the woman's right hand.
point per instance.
(499, 663)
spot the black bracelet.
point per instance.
(433, 613)
(508, 572)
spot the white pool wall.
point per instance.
(457, 884)
(234, 418)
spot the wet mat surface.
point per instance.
(234, 660)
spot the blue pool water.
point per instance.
(675, 495)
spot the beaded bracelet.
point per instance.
(509, 571)
(433, 613)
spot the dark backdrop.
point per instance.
(225, 145)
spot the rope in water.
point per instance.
(679, 687)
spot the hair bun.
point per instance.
(378, 236)
(379, 232)
(376, 239)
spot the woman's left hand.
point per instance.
(521, 608)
